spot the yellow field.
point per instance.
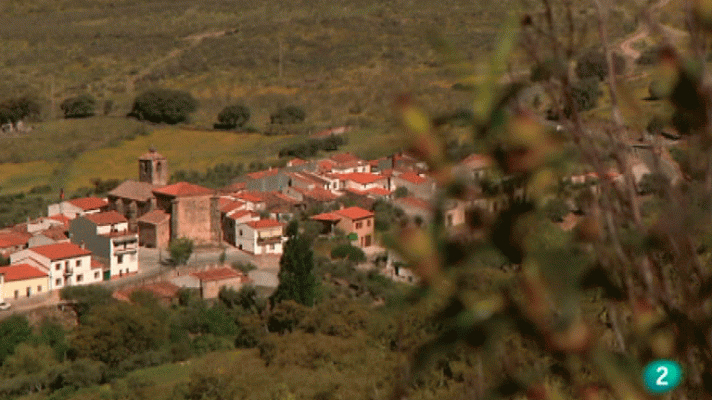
(24, 176)
(185, 149)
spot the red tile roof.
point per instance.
(414, 202)
(60, 251)
(18, 272)
(12, 239)
(233, 187)
(106, 218)
(344, 158)
(219, 274)
(296, 161)
(55, 233)
(251, 197)
(320, 194)
(362, 178)
(264, 223)
(354, 213)
(96, 264)
(61, 218)
(89, 203)
(263, 174)
(478, 161)
(154, 217)
(241, 213)
(183, 189)
(325, 165)
(378, 191)
(229, 205)
(326, 217)
(412, 177)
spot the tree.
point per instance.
(288, 115)
(585, 94)
(164, 105)
(296, 278)
(114, 332)
(180, 250)
(233, 116)
(19, 108)
(79, 107)
(86, 297)
(401, 191)
(13, 331)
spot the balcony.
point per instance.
(68, 271)
(269, 240)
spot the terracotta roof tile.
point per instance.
(414, 202)
(96, 264)
(18, 272)
(327, 217)
(264, 223)
(12, 239)
(154, 217)
(362, 178)
(60, 251)
(89, 203)
(242, 213)
(219, 274)
(181, 189)
(152, 155)
(354, 213)
(55, 233)
(106, 218)
(412, 177)
(61, 218)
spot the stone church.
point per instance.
(161, 212)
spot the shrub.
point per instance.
(585, 93)
(79, 107)
(593, 64)
(288, 115)
(164, 105)
(349, 252)
(233, 116)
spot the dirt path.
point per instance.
(626, 46)
(193, 41)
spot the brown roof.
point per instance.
(354, 213)
(229, 205)
(55, 233)
(233, 187)
(133, 190)
(106, 218)
(414, 202)
(61, 218)
(89, 203)
(96, 264)
(18, 272)
(320, 194)
(154, 217)
(218, 274)
(181, 189)
(241, 213)
(60, 251)
(412, 177)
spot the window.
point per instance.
(96, 275)
(58, 282)
(240, 232)
(57, 266)
(79, 263)
(271, 247)
(120, 259)
(358, 225)
(368, 222)
(80, 277)
(17, 293)
(66, 264)
(39, 288)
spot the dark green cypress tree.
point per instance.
(296, 277)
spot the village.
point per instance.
(122, 239)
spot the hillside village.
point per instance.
(93, 240)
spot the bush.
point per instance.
(593, 64)
(585, 93)
(288, 115)
(81, 106)
(233, 116)
(349, 252)
(546, 70)
(556, 209)
(19, 108)
(164, 105)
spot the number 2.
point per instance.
(661, 381)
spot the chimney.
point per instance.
(81, 244)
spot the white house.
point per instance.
(81, 206)
(66, 263)
(265, 236)
(108, 237)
